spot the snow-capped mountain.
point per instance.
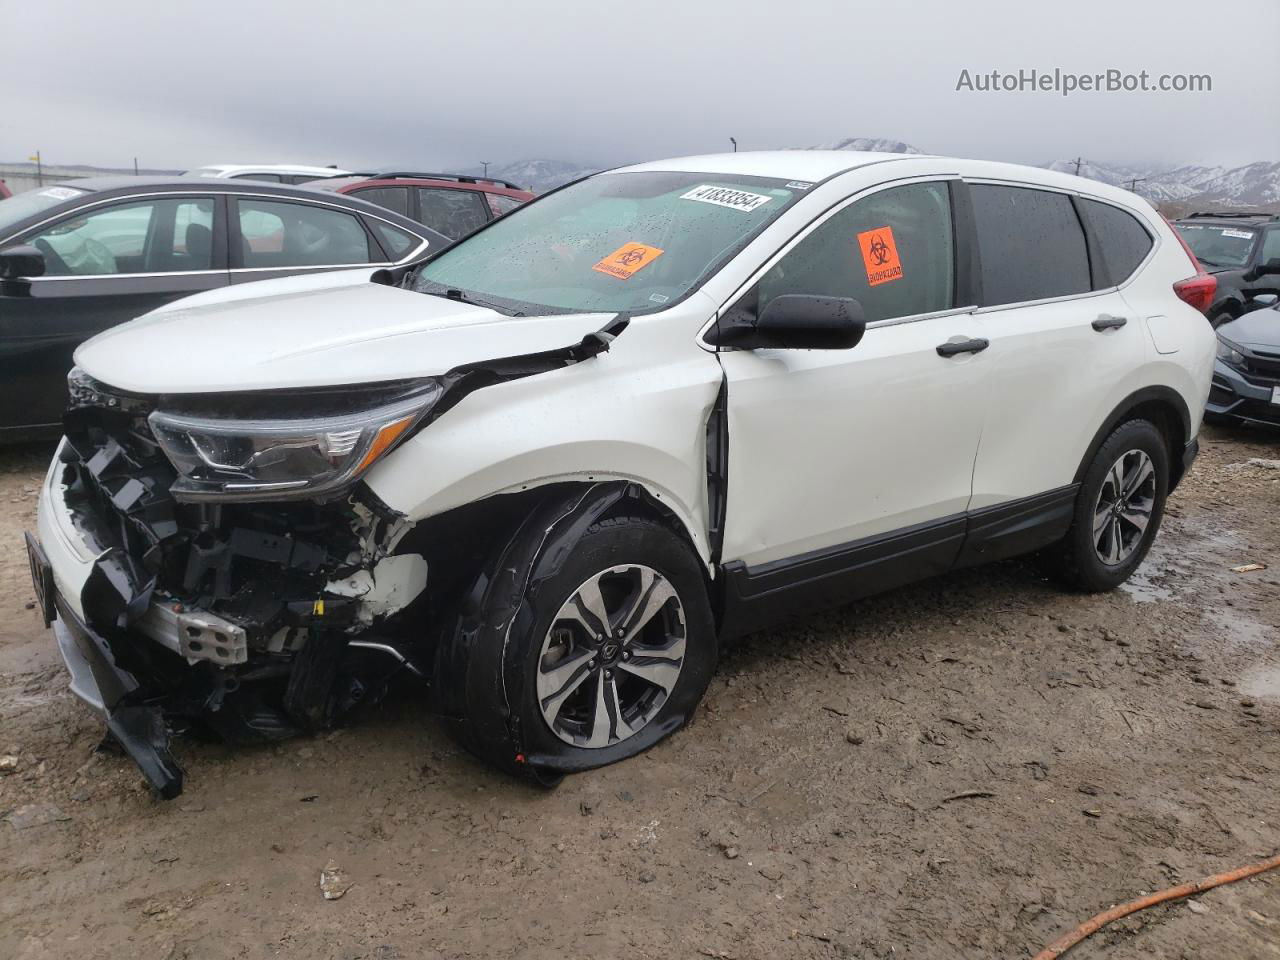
(867, 144)
(1253, 185)
(537, 175)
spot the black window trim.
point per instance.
(1157, 239)
(747, 287)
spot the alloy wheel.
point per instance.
(611, 656)
(1124, 506)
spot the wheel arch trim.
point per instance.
(1157, 396)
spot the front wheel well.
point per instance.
(457, 543)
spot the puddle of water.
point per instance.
(1262, 684)
(1239, 628)
(1143, 588)
(1171, 560)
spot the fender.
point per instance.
(466, 379)
(1166, 396)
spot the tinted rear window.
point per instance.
(1031, 242)
(393, 198)
(1122, 241)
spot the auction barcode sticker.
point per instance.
(725, 197)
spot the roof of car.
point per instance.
(808, 165)
(202, 184)
(125, 186)
(814, 166)
(1243, 219)
(448, 180)
(294, 168)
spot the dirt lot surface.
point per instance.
(965, 768)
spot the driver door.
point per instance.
(851, 470)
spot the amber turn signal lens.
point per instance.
(385, 438)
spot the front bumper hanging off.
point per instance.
(110, 692)
(250, 631)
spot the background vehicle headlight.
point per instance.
(268, 459)
(1227, 351)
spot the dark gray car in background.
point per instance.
(1246, 376)
(84, 255)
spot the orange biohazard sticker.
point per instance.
(627, 259)
(880, 256)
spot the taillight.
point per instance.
(1198, 290)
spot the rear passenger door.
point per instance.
(1064, 346)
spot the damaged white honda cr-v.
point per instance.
(550, 470)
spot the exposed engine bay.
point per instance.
(264, 617)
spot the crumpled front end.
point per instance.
(252, 621)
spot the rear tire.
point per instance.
(1118, 509)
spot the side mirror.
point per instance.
(1272, 266)
(21, 261)
(799, 321)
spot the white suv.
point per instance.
(273, 172)
(553, 468)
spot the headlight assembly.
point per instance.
(1229, 353)
(276, 459)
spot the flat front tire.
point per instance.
(606, 647)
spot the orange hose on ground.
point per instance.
(1069, 940)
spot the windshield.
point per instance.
(1217, 245)
(23, 205)
(616, 242)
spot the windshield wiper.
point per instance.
(463, 296)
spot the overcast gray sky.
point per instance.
(599, 82)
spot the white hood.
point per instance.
(312, 332)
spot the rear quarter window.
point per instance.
(1122, 242)
(1031, 242)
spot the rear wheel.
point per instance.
(1118, 508)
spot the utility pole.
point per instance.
(485, 164)
(39, 169)
(1078, 161)
(1133, 183)
(135, 166)
(734, 141)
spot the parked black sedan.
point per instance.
(86, 255)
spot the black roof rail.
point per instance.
(421, 175)
(1234, 215)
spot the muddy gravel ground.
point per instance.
(965, 768)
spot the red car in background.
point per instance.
(4, 191)
(452, 204)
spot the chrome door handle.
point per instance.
(1107, 322)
